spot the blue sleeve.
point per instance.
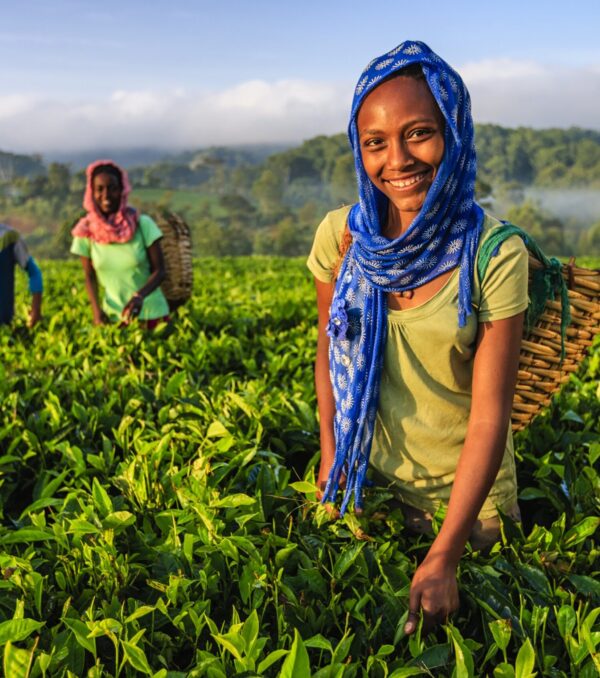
(35, 276)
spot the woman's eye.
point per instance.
(421, 132)
(372, 142)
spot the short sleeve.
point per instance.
(504, 289)
(21, 253)
(325, 252)
(150, 230)
(81, 247)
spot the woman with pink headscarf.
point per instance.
(119, 249)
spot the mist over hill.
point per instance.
(269, 199)
(142, 157)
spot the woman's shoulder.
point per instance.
(502, 290)
(325, 251)
(490, 226)
(81, 245)
(147, 223)
(146, 219)
(149, 229)
(334, 222)
(505, 247)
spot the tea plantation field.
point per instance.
(157, 512)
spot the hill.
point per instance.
(13, 165)
(265, 200)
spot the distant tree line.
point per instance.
(253, 200)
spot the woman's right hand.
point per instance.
(323, 477)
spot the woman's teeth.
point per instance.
(404, 183)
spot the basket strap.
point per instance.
(546, 282)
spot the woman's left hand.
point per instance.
(133, 307)
(433, 592)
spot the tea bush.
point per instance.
(158, 512)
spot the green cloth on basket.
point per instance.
(545, 284)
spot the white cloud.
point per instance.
(503, 91)
(251, 112)
(514, 93)
(499, 69)
(14, 105)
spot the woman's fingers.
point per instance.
(434, 613)
(329, 507)
(414, 611)
(411, 622)
(132, 309)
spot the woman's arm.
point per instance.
(157, 275)
(434, 587)
(36, 287)
(323, 383)
(91, 285)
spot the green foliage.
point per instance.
(546, 229)
(550, 157)
(158, 514)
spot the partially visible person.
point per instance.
(119, 249)
(14, 251)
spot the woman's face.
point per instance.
(401, 133)
(106, 189)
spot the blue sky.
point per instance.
(182, 73)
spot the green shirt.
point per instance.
(123, 268)
(425, 396)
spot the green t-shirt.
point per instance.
(123, 268)
(425, 395)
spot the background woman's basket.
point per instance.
(542, 369)
(176, 245)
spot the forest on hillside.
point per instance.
(248, 200)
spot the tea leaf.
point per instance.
(525, 661)
(15, 630)
(296, 664)
(81, 633)
(501, 630)
(462, 654)
(136, 657)
(16, 661)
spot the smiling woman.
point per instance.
(417, 357)
(120, 249)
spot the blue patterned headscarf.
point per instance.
(444, 235)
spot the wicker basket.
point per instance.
(541, 370)
(176, 246)
(542, 367)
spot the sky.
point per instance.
(182, 74)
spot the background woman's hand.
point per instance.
(433, 593)
(34, 317)
(133, 307)
(100, 318)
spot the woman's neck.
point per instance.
(397, 223)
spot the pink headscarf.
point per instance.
(118, 227)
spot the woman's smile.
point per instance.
(408, 182)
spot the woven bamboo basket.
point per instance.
(541, 370)
(176, 245)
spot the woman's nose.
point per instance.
(399, 155)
